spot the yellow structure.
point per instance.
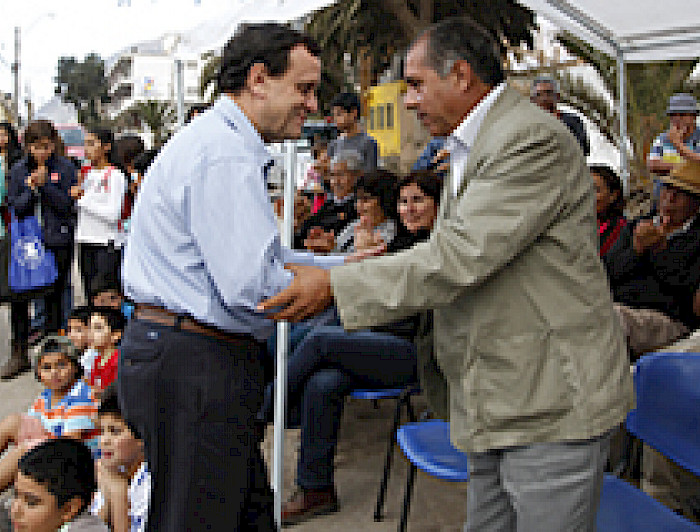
(383, 116)
(398, 133)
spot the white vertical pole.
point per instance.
(622, 102)
(290, 163)
(180, 87)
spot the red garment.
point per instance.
(609, 231)
(319, 200)
(104, 372)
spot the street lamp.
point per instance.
(16, 64)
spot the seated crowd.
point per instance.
(73, 452)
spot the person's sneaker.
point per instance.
(305, 504)
(16, 364)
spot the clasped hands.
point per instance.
(37, 178)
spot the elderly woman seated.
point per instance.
(330, 362)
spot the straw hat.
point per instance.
(686, 176)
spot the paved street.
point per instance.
(437, 506)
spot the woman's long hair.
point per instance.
(617, 208)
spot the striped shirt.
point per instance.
(76, 411)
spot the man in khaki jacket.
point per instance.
(524, 328)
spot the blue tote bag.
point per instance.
(32, 267)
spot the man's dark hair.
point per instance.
(267, 43)
(81, 313)
(463, 39)
(114, 318)
(64, 466)
(347, 101)
(612, 181)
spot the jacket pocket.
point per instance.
(521, 382)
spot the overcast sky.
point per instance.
(54, 28)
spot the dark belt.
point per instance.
(183, 322)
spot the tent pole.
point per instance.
(622, 102)
(290, 156)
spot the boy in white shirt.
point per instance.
(123, 479)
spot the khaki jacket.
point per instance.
(524, 328)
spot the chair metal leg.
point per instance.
(407, 498)
(381, 496)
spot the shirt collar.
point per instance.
(237, 120)
(465, 133)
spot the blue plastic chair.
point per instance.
(427, 446)
(403, 399)
(667, 418)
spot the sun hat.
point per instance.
(686, 176)
(682, 103)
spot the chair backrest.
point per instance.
(667, 416)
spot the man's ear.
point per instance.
(71, 509)
(256, 80)
(464, 75)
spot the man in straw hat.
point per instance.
(654, 268)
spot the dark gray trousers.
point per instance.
(192, 398)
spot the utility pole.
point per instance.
(15, 73)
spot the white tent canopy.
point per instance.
(636, 30)
(642, 30)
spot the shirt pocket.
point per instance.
(521, 381)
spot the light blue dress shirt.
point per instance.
(204, 240)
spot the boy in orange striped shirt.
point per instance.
(65, 408)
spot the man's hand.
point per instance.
(320, 241)
(648, 235)
(442, 161)
(675, 135)
(308, 294)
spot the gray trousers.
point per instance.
(544, 486)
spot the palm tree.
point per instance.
(158, 116)
(372, 32)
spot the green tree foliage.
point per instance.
(158, 116)
(373, 31)
(649, 86)
(84, 84)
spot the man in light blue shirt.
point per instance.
(203, 251)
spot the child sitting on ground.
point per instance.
(78, 331)
(123, 479)
(66, 407)
(53, 489)
(106, 327)
(107, 293)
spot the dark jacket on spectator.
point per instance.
(575, 125)
(57, 211)
(663, 280)
(609, 231)
(331, 216)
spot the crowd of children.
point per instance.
(78, 403)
